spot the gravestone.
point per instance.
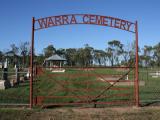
(17, 75)
(4, 83)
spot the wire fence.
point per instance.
(14, 86)
(85, 83)
(100, 86)
(150, 91)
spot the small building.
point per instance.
(12, 58)
(55, 62)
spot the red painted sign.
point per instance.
(52, 21)
(43, 23)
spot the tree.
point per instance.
(114, 51)
(88, 55)
(156, 54)
(49, 51)
(126, 54)
(61, 52)
(14, 49)
(80, 57)
(24, 51)
(132, 52)
(1, 56)
(110, 55)
(147, 55)
(100, 57)
(40, 59)
(84, 56)
(71, 56)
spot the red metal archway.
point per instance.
(53, 21)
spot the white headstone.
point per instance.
(6, 63)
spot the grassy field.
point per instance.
(150, 93)
(59, 84)
(18, 94)
(78, 82)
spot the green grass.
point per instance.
(60, 85)
(151, 90)
(19, 94)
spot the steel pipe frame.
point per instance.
(136, 65)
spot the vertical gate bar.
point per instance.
(31, 64)
(136, 66)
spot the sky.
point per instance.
(16, 16)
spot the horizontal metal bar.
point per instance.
(92, 82)
(91, 89)
(13, 104)
(85, 96)
(84, 14)
(149, 101)
(86, 75)
(81, 103)
(13, 72)
(91, 67)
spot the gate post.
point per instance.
(31, 64)
(136, 67)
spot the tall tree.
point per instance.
(100, 57)
(88, 55)
(132, 52)
(71, 56)
(14, 49)
(126, 55)
(49, 51)
(61, 52)
(80, 57)
(157, 54)
(40, 59)
(115, 50)
(24, 51)
(110, 55)
(146, 57)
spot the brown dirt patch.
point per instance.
(117, 113)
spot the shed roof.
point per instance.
(10, 54)
(54, 58)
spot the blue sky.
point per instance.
(15, 22)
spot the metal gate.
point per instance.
(91, 86)
(43, 23)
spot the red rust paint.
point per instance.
(47, 22)
(113, 22)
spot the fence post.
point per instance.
(136, 67)
(31, 65)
